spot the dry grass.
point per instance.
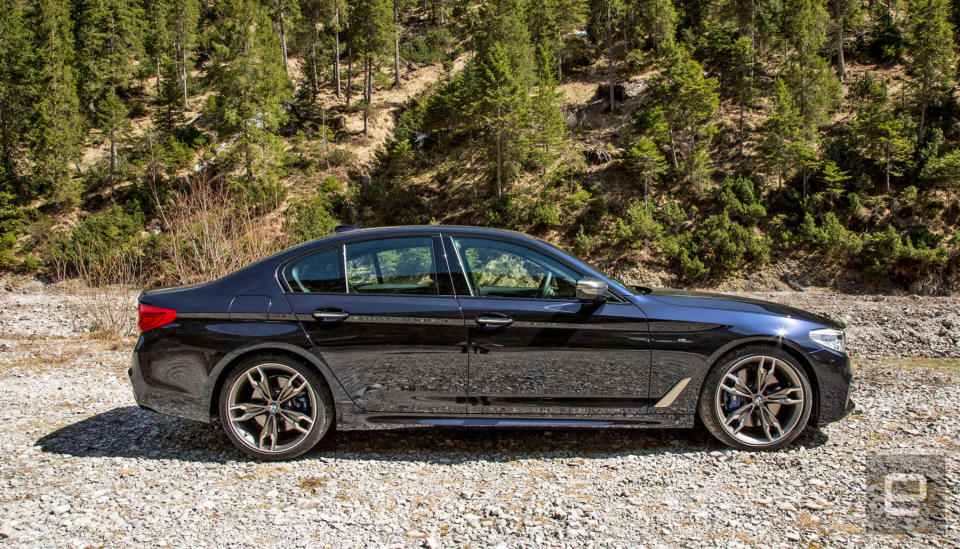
(313, 483)
(946, 365)
(109, 340)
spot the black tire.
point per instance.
(723, 412)
(294, 424)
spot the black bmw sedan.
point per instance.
(390, 327)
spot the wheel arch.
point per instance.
(785, 345)
(220, 372)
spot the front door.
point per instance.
(382, 315)
(535, 349)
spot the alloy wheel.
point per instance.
(760, 400)
(272, 408)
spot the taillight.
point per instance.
(153, 317)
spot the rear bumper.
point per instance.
(168, 401)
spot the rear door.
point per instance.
(536, 349)
(381, 313)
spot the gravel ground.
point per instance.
(81, 466)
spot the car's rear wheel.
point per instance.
(274, 407)
(756, 398)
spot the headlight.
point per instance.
(829, 338)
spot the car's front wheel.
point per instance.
(756, 398)
(274, 407)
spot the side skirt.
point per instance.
(356, 420)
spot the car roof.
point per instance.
(349, 234)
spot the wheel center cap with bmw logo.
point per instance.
(273, 407)
(758, 400)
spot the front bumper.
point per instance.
(835, 379)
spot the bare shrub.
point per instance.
(213, 231)
(105, 311)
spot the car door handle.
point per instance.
(494, 320)
(330, 316)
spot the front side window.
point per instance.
(319, 272)
(501, 269)
(392, 266)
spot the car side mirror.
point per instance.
(591, 289)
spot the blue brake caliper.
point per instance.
(299, 403)
(731, 403)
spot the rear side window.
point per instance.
(392, 266)
(319, 272)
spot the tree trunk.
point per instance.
(923, 121)
(349, 70)
(753, 37)
(843, 66)
(559, 57)
(396, 43)
(336, 48)
(741, 131)
(673, 150)
(313, 68)
(159, 95)
(610, 75)
(283, 43)
(366, 96)
(323, 136)
(888, 175)
(183, 65)
(499, 163)
(113, 154)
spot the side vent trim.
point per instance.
(672, 394)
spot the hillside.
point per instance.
(800, 144)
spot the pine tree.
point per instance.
(250, 83)
(285, 14)
(844, 13)
(307, 39)
(612, 14)
(338, 9)
(931, 49)
(15, 92)
(502, 24)
(817, 88)
(548, 124)
(880, 133)
(110, 41)
(398, 7)
(157, 36)
(169, 115)
(501, 108)
(371, 26)
(689, 102)
(783, 141)
(184, 17)
(550, 22)
(658, 23)
(741, 81)
(56, 127)
(646, 163)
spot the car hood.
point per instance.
(710, 300)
